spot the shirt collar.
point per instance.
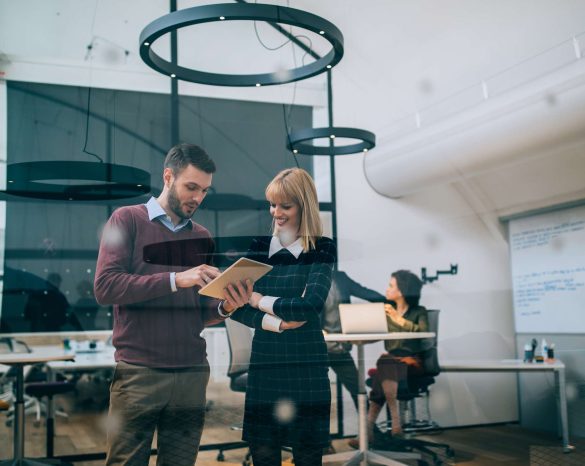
(295, 248)
(155, 211)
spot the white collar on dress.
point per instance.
(295, 248)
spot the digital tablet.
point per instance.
(243, 269)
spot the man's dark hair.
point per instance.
(182, 155)
(409, 285)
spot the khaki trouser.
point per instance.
(143, 399)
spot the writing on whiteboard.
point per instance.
(548, 271)
(543, 236)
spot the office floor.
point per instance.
(83, 432)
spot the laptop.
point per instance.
(363, 318)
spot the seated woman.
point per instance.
(404, 314)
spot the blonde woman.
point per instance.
(288, 396)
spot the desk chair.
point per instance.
(417, 387)
(49, 390)
(31, 404)
(239, 339)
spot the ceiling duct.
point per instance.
(522, 123)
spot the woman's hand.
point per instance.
(237, 296)
(291, 325)
(254, 300)
(394, 315)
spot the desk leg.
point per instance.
(19, 414)
(561, 396)
(362, 403)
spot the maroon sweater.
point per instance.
(153, 326)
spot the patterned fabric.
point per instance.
(288, 395)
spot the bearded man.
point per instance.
(161, 365)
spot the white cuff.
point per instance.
(173, 282)
(267, 303)
(271, 323)
(223, 314)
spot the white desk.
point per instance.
(364, 455)
(103, 359)
(516, 365)
(19, 360)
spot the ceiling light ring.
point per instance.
(244, 12)
(297, 140)
(28, 179)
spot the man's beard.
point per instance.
(175, 204)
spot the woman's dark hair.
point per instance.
(409, 285)
(182, 155)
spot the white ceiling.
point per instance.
(400, 55)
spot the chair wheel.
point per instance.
(220, 456)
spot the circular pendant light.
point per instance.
(44, 180)
(297, 141)
(240, 12)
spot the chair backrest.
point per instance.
(430, 355)
(240, 344)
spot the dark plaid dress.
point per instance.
(288, 396)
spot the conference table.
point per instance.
(18, 361)
(517, 365)
(364, 455)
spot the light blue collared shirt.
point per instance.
(155, 211)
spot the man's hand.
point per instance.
(291, 325)
(393, 314)
(237, 296)
(197, 276)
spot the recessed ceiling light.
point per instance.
(295, 151)
(321, 32)
(222, 17)
(147, 43)
(328, 67)
(258, 84)
(173, 75)
(332, 136)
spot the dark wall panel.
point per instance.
(51, 246)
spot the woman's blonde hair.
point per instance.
(296, 185)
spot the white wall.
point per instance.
(400, 56)
(412, 56)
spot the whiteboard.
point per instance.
(548, 271)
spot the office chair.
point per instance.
(418, 387)
(239, 339)
(49, 389)
(31, 404)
